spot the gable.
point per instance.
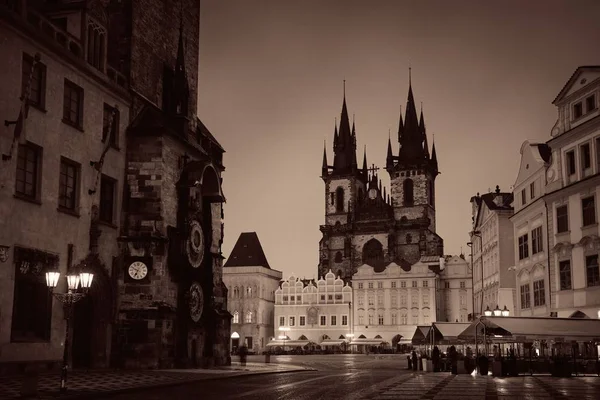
(247, 252)
(531, 162)
(582, 77)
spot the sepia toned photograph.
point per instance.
(299, 199)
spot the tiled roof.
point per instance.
(507, 199)
(247, 252)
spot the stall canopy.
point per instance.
(420, 335)
(332, 342)
(368, 342)
(446, 332)
(523, 329)
(287, 343)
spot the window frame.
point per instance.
(577, 109)
(76, 182)
(592, 281)
(563, 273)
(26, 62)
(107, 109)
(101, 213)
(586, 213)
(523, 242)
(562, 217)
(37, 180)
(537, 240)
(72, 87)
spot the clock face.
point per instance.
(196, 301)
(137, 270)
(195, 244)
(372, 194)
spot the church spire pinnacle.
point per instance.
(324, 168)
(344, 160)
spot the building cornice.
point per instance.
(593, 180)
(578, 132)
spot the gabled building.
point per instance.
(251, 284)
(572, 197)
(493, 251)
(531, 232)
(364, 224)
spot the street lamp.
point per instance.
(470, 244)
(505, 312)
(497, 311)
(349, 336)
(83, 280)
(488, 312)
(283, 329)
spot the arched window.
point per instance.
(407, 186)
(338, 257)
(372, 253)
(236, 317)
(96, 44)
(248, 292)
(236, 292)
(249, 317)
(339, 200)
(241, 291)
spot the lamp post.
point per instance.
(283, 329)
(470, 244)
(349, 336)
(83, 280)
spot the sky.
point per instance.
(271, 85)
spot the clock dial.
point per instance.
(196, 301)
(138, 270)
(372, 194)
(195, 244)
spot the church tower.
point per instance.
(345, 185)
(412, 175)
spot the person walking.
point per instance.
(243, 351)
(435, 358)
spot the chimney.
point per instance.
(498, 199)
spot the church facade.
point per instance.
(364, 224)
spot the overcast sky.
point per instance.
(270, 88)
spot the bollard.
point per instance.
(267, 358)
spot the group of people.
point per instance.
(436, 359)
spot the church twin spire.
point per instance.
(412, 138)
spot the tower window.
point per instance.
(408, 192)
(338, 257)
(96, 44)
(339, 200)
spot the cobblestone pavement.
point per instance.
(82, 383)
(466, 387)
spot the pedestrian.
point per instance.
(414, 360)
(243, 351)
(435, 357)
(453, 359)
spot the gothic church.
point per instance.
(363, 223)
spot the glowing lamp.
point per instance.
(85, 279)
(52, 279)
(72, 282)
(487, 312)
(505, 312)
(497, 311)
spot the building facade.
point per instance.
(137, 187)
(493, 251)
(572, 198)
(61, 177)
(363, 223)
(251, 285)
(531, 233)
(455, 291)
(390, 304)
(308, 311)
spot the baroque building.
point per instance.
(389, 304)
(308, 311)
(531, 232)
(572, 193)
(363, 223)
(66, 107)
(251, 285)
(493, 252)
